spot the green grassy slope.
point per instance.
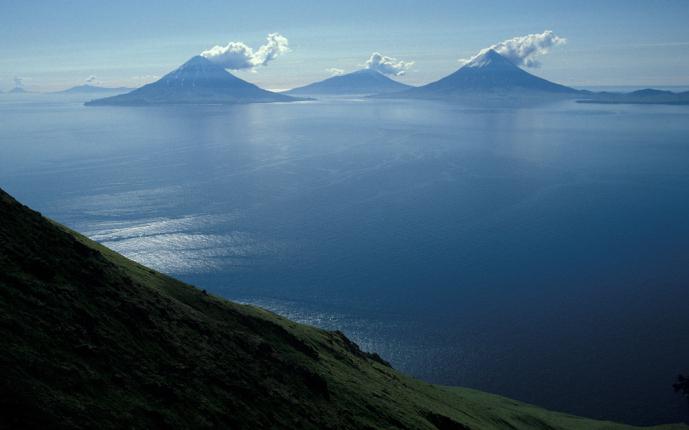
(90, 339)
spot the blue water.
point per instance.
(541, 253)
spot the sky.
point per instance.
(52, 46)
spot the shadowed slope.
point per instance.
(89, 339)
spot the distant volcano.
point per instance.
(17, 90)
(198, 81)
(93, 89)
(489, 74)
(361, 82)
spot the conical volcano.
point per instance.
(489, 74)
(198, 81)
(361, 82)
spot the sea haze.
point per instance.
(540, 253)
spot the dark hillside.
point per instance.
(89, 339)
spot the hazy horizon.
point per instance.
(129, 44)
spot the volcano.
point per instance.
(198, 81)
(93, 89)
(489, 74)
(361, 82)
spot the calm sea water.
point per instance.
(540, 253)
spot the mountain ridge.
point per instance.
(647, 96)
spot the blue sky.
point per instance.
(59, 44)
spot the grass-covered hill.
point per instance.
(90, 339)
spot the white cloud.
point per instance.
(523, 50)
(388, 65)
(92, 80)
(238, 56)
(334, 71)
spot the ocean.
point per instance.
(539, 252)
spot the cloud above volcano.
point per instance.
(239, 56)
(388, 65)
(524, 50)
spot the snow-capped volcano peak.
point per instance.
(199, 71)
(489, 58)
